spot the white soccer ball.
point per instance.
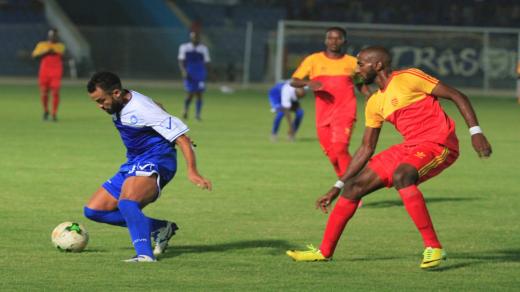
(70, 236)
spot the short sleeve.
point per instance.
(420, 81)
(304, 69)
(59, 48)
(373, 115)
(169, 127)
(39, 49)
(182, 52)
(150, 114)
(352, 65)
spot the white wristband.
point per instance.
(339, 184)
(475, 130)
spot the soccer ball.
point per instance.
(70, 236)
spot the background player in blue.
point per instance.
(194, 65)
(150, 135)
(284, 100)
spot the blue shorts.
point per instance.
(276, 102)
(193, 85)
(165, 166)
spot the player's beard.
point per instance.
(117, 104)
(116, 107)
(370, 77)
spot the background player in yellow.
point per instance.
(330, 75)
(50, 53)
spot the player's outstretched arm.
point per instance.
(39, 51)
(478, 140)
(299, 83)
(186, 146)
(360, 158)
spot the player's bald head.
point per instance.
(52, 34)
(375, 54)
(339, 30)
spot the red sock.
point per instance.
(414, 203)
(45, 101)
(343, 157)
(55, 101)
(340, 215)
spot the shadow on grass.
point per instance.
(396, 203)
(94, 250)
(479, 258)
(274, 246)
(369, 258)
(306, 139)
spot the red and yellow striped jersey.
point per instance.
(407, 103)
(336, 98)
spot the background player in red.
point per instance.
(51, 70)
(330, 74)
(407, 99)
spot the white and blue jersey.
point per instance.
(148, 132)
(194, 58)
(282, 95)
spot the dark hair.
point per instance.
(338, 29)
(107, 81)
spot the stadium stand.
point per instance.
(22, 24)
(146, 32)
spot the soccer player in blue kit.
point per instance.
(284, 100)
(150, 135)
(193, 62)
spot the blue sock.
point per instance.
(138, 226)
(198, 107)
(109, 217)
(298, 119)
(187, 103)
(116, 218)
(277, 120)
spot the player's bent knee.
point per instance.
(102, 200)
(142, 189)
(354, 190)
(405, 176)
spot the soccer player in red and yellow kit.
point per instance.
(51, 70)
(330, 76)
(409, 100)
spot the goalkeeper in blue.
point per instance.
(284, 100)
(151, 136)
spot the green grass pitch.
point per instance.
(235, 237)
